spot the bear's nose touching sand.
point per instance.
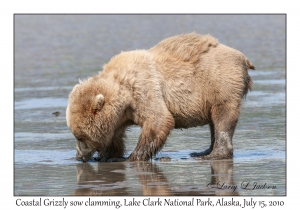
(184, 81)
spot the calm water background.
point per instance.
(53, 51)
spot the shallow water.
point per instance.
(53, 51)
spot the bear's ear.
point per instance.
(99, 101)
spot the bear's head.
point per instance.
(91, 116)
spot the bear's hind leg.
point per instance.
(224, 117)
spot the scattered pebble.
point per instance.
(163, 159)
(56, 113)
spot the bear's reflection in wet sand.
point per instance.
(149, 179)
(102, 181)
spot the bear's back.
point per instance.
(184, 47)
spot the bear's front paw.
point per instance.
(99, 159)
(116, 160)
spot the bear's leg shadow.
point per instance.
(153, 137)
(224, 119)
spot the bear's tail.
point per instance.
(248, 80)
(249, 65)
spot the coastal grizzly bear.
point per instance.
(185, 81)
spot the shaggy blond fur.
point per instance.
(185, 81)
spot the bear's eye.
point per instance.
(80, 139)
(77, 137)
